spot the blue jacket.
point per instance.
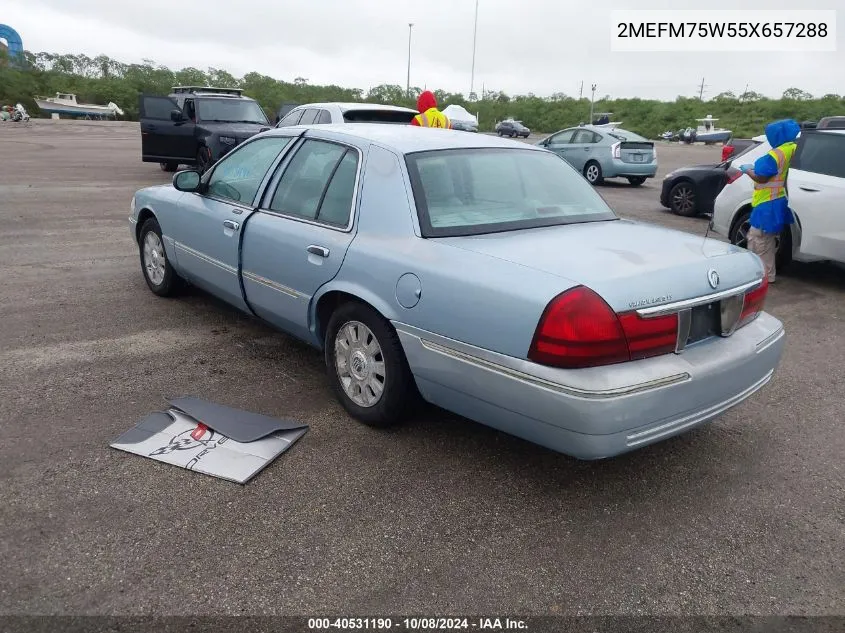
(773, 216)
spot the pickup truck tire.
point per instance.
(367, 367)
(158, 273)
(169, 166)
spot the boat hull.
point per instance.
(713, 137)
(76, 110)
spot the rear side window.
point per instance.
(309, 116)
(325, 117)
(821, 153)
(291, 119)
(378, 116)
(318, 184)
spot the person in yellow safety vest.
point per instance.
(770, 212)
(429, 115)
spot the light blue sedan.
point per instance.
(482, 274)
(601, 152)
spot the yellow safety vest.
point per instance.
(776, 187)
(433, 118)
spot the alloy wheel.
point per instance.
(154, 258)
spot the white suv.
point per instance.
(322, 113)
(815, 185)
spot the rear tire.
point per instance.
(367, 367)
(783, 252)
(636, 181)
(169, 166)
(592, 172)
(156, 268)
(682, 199)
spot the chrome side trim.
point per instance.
(269, 283)
(206, 258)
(770, 340)
(651, 434)
(132, 220)
(668, 308)
(547, 384)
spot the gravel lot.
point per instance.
(441, 516)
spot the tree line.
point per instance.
(102, 79)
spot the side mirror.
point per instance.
(176, 115)
(188, 180)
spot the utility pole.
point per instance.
(581, 90)
(474, 34)
(408, 85)
(701, 90)
(592, 100)
(744, 92)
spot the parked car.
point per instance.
(815, 185)
(735, 147)
(326, 113)
(690, 191)
(196, 125)
(512, 128)
(460, 118)
(601, 153)
(831, 122)
(482, 274)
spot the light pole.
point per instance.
(474, 32)
(408, 86)
(592, 99)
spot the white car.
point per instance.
(815, 185)
(324, 113)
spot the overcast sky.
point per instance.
(539, 46)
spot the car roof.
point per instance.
(405, 139)
(346, 107)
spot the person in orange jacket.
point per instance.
(429, 115)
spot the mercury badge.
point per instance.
(713, 278)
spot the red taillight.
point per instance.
(650, 337)
(753, 302)
(733, 174)
(579, 329)
(727, 150)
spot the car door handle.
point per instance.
(807, 189)
(231, 224)
(322, 251)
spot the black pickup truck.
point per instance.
(197, 125)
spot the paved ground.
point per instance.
(442, 516)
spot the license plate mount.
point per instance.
(705, 322)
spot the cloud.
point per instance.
(539, 46)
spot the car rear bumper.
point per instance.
(618, 168)
(597, 412)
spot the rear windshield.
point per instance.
(231, 111)
(378, 116)
(624, 135)
(477, 191)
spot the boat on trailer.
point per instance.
(707, 132)
(65, 103)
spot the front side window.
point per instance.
(292, 118)
(821, 153)
(238, 176)
(477, 191)
(230, 111)
(318, 183)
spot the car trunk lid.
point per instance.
(631, 265)
(636, 151)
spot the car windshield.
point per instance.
(477, 191)
(231, 111)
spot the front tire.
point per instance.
(682, 199)
(158, 273)
(592, 172)
(366, 366)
